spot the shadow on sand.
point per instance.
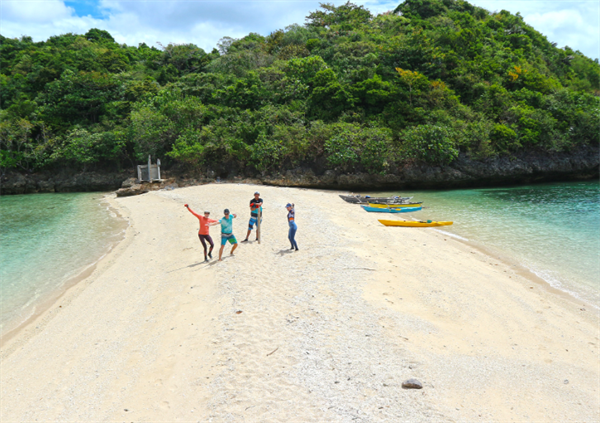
(207, 263)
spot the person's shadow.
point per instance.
(285, 251)
(191, 265)
(216, 260)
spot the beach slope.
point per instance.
(328, 333)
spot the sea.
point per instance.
(552, 230)
(47, 242)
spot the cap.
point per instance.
(288, 205)
(226, 211)
(257, 193)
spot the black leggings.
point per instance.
(209, 239)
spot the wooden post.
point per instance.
(149, 171)
(258, 224)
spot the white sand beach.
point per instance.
(325, 334)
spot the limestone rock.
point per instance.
(135, 189)
(412, 384)
(129, 182)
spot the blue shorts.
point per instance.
(252, 222)
(228, 237)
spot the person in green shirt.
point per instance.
(227, 232)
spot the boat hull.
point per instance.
(413, 223)
(391, 210)
(359, 199)
(395, 206)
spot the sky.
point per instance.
(574, 23)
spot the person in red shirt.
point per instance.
(203, 233)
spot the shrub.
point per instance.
(503, 138)
(288, 143)
(83, 147)
(351, 146)
(430, 143)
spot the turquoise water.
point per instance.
(552, 229)
(46, 240)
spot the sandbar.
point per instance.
(328, 333)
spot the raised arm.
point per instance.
(191, 211)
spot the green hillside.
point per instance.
(347, 91)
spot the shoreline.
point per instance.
(581, 287)
(492, 252)
(157, 333)
(54, 297)
(37, 309)
(523, 270)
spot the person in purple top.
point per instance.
(293, 227)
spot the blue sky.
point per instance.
(203, 22)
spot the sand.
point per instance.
(328, 333)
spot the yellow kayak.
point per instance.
(414, 223)
(395, 206)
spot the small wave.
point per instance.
(451, 235)
(554, 282)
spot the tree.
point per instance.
(430, 143)
(346, 16)
(99, 35)
(328, 98)
(414, 81)
(423, 9)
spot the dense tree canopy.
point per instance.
(355, 92)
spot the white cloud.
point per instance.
(34, 11)
(377, 7)
(561, 25)
(567, 23)
(219, 19)
(132, 22)
(204, 22)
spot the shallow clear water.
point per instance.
(552, 229)
(45, 240)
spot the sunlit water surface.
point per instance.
(45, 241)
(552, 229)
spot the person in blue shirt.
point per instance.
(293, 227)
(227, 232)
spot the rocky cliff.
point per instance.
(529, 167)
(65, 181)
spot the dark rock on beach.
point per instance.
(412, 384)
(132, 186)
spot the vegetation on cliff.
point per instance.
(348, 90)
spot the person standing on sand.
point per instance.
(227, 232)
(293, 227)
(255, 210)
(203, 233)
